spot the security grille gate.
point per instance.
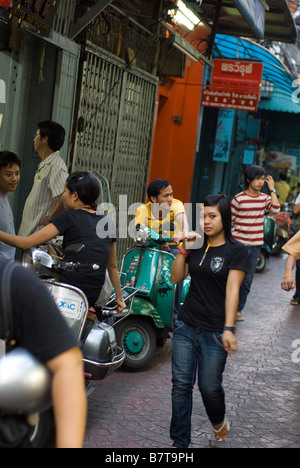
(116, 116)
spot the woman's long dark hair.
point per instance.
(222, 202)
(87, 187)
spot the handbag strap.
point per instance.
(6, 303)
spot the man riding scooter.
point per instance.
(164, 213)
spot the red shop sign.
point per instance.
(235, 84)
(237, 74)
(6, 3)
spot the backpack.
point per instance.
(14, 430)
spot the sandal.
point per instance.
(239, 317)
(224, 425)
(295, 301)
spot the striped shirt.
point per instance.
(49, 182)
(248, 217)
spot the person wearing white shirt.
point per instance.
(44, 200)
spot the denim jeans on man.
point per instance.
(196, 349)
(253, 253)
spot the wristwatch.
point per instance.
(231, 329)
(274, 191)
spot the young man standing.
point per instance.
(248, 211)
(10, 166)
(44, 201)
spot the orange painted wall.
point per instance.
(174, 143)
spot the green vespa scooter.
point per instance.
(269, 245)
(148, 268)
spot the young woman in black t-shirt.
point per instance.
(80, 223)
(206, 336)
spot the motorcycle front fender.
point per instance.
(142, 307)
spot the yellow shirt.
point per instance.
(282, 190)
(145, 217)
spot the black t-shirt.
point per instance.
(79, 226)
(204, 305)
(39, 327)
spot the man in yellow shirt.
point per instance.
(282, 189)
(163, 212)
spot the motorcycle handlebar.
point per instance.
(77, 266)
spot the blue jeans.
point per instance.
(195, 350)
(253, 253)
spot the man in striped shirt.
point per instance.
(248, 211)
(44, 201)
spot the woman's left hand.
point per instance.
(229, 342)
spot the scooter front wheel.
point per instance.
(137, 337)
(261, 262)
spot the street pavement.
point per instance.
(261, 381)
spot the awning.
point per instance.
(254, 12)
(281, 101)
(244, 18)
(241, 48)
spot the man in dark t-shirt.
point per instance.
(40, 328)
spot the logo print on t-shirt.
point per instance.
(216, 264)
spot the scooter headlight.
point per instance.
(143, 235)
(25, 383)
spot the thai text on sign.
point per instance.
(235, 84)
